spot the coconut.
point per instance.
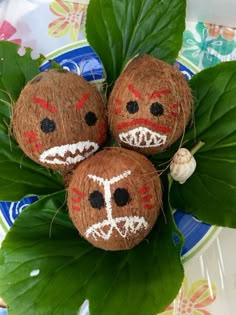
(114, 198)
(59, 119)
(150, 105)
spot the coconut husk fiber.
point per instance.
(114, 198)
(59, 119)
(150, 105)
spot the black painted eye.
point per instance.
(157, 109)
(132, 107)
(121, 197)
(90, 119)
(47, 125)
(96, 200)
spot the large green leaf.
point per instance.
(120, 29)
(19, 176)
(210, 194)
(140, 281)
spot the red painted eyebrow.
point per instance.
(44, 104)
(134, 91)
(82, 101)
(159, 93)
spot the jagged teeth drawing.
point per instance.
(142, 137)
(132, 224)
(53, 155)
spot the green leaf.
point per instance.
(19, 176)
(140, 281)
(210, 194)
(120, 29)
(15, 70)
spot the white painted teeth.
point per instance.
(68, 154)
(131, 225)
(142, 137)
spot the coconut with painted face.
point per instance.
(59, 119)
(150, 105)
(114, 198)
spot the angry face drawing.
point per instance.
(59, 119)
(149, 106)
(114, 198)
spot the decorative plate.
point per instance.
(81, 59)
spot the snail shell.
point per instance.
(182, 166)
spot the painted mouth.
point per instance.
(142, 137)
(145, 122)
(69, 153)
(123, 225)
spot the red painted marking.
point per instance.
(102, 132)
(176, 105)
(147, 198)
(37, 147)
(75, 208)
(31, 135)
(102, 126)
(78, 192)
(76, 200)
(146, 122)
(118, 102)
(144, 190)
(118, 110)
(149, 206)
(82, 101)
(102, 138)
(174, 114)
(134, 91)
(159, 93)
(44, 104)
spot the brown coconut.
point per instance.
(59, 119)
(114, 198)
(150, 105)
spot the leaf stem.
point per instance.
(170, 182)
(170, 215)
(197, 147)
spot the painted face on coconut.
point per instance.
(149, 106)
(59, 119)
(114, 205)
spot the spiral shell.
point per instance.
(182, 166)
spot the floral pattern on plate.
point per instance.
(193, 300)
(70, 19)
(7, 32)
(206, 44)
